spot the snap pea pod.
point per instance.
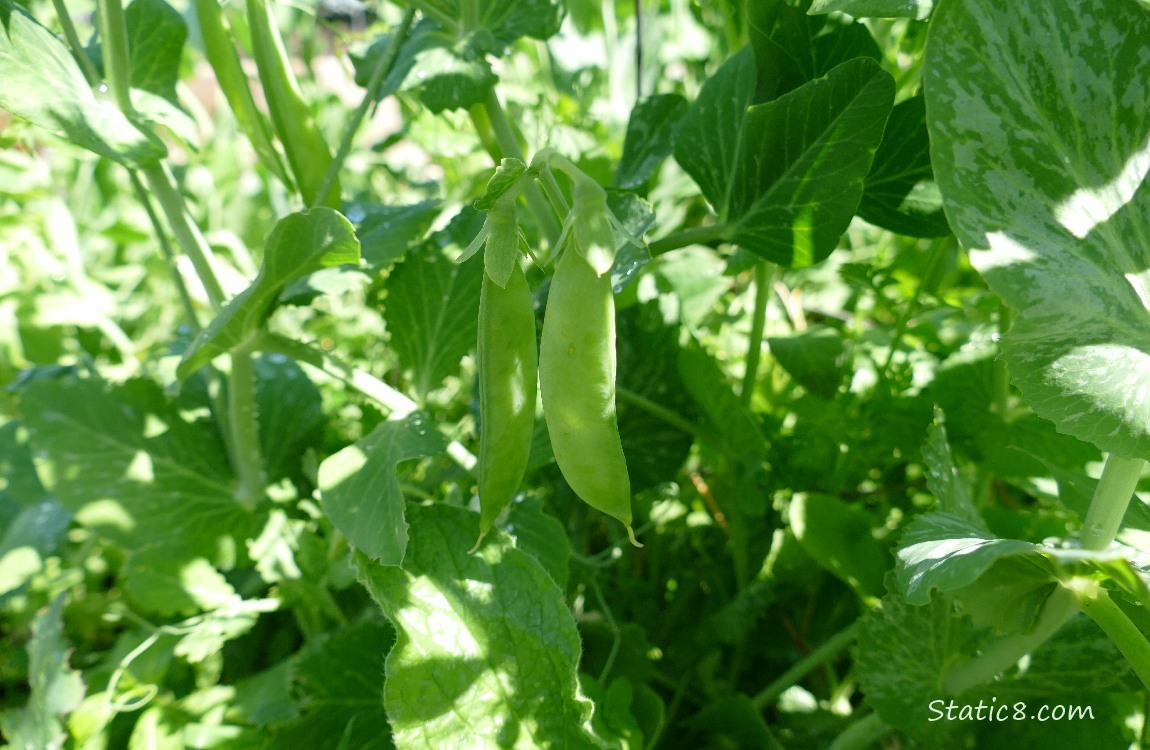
(577, 381)
(507, 361)
(306, 150)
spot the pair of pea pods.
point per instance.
(574, 368)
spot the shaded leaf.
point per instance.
(650, 138)
(128, 465)
(814, 358)
(432, 308)
(917, 9)
(839, 539)
(156, 34)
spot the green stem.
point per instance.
(117, 59)
(187, 234)
(628, 396)
(1111, 498)
(1001, 374)
(1098, 606)
(225, 61)
(1005, 652)
(764, 272)
(825, 653)
(861, 734)
(395, 402)
(378, 74)
(243, 421)
(166, 251)
(712, 234)
(509, 144)
(85, 63)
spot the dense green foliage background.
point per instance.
(864, 480)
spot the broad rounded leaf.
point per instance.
(1039, 119)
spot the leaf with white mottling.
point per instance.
(1039, 117)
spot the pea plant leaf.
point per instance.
(361, 493)
(432, 304)
(43, 84)
(156, 35)
(299, 244)
(786, 176)
(839, 539)
(916, 9)
(1052, 208)
(650, 138)
(900, 192)
(386, 232)
(128, 465)
(56, 689)
(497, 23)
(506, 175)
(487, 653)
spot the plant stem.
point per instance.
(117, 59)
(378, 74)
(712, 234)
(243, 421)
(85, 63)
(662, 412)
(829, 650)
(764, 272)
(1005, 652)
(1098, 606)
(166, 251)
(509, 144)
(187, 234)
(1001, 373)
(861, 734)
(397, 404)
(1111, 498)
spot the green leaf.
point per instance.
(56, 689)
(541, 536)
(916, 9)
(839, 539)
(290, 412)
(361, 493)
(780, 35)
(171, 581)
(432, 309)
(735, 429)
(735, 718)
(386, 232)
(648, 369)
(900, 193)
(942, 551)
(901, 655)
(18, 478)
(507, 174)
(44, 85)
(786, 176)
(299, 244)
(942, 477)
(637, 217)
(341, 680)
(27, 540)
(497, 20)
(814, 358)
(650, 138)
(806, 155)
(1041, 152)
(127, 464)
(156, 34)
(487, 653)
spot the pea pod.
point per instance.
(577, 380)
(306, 150)
(507, 362)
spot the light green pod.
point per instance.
(577, 379)
(507, 361)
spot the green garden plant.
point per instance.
(346, 367)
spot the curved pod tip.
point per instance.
(630, 534)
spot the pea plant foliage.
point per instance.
(566, 374)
